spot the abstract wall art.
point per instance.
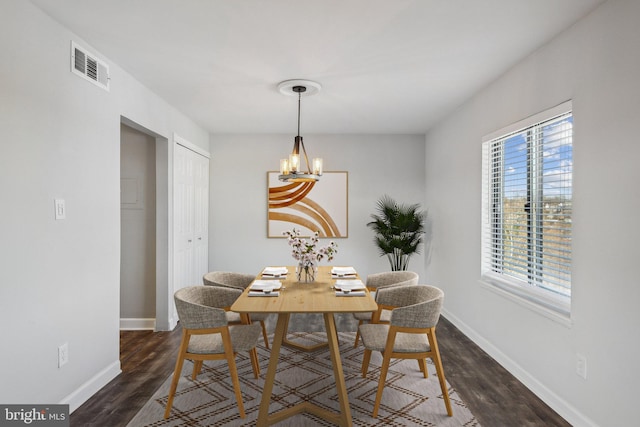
(308, 206)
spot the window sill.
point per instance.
(559, 313)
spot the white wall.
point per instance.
(377, 165)
(59, 280)
(597, 64)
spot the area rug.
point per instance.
(408, 400)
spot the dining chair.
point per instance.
(410, 334)
(240, 281)
(379, 280)
(206, 335)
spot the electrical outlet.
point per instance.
(63, 355)
(581, 365)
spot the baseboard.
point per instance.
(173, 322)
(168, 325)
(91, 387)
(555, 402)
(137, 324)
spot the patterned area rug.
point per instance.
(408, 400)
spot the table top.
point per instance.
(296, 297)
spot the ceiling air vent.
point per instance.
(87, 66)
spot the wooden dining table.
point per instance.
(295, 297)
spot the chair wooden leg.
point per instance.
(355, 344)
(184, 344)
(233, 372)
(439, 370)
(253, 354)
(422, 363)
(386, 359)
(197, 367)
(365, 362)
(264, 334)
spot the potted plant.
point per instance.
(399, 230)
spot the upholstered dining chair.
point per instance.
(379, 280)
(410, 334)
(239, 281)
(207, 336)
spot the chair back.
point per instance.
(228, 279)
(388, 278)
(202, 307)
(417, 306)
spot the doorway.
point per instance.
(164, 317)
(137, 229)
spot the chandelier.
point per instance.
(291, 168)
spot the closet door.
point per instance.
(201, 218)
(191, 215)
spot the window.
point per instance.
(527, 207)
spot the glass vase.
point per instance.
(306, 273)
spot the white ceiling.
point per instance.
(386, 66)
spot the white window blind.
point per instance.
(527, 207)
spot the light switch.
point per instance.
(61, 211)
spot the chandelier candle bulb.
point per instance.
(294, 162)
(317, 166)
(284, 166)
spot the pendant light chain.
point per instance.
(304, 150)
(299, 97)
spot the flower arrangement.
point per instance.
(306, 253)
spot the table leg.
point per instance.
(281, 330)
(341, 386)
(343, 418)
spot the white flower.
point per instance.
(306, 252)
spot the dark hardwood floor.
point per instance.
(147, 358)
(493, 395)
